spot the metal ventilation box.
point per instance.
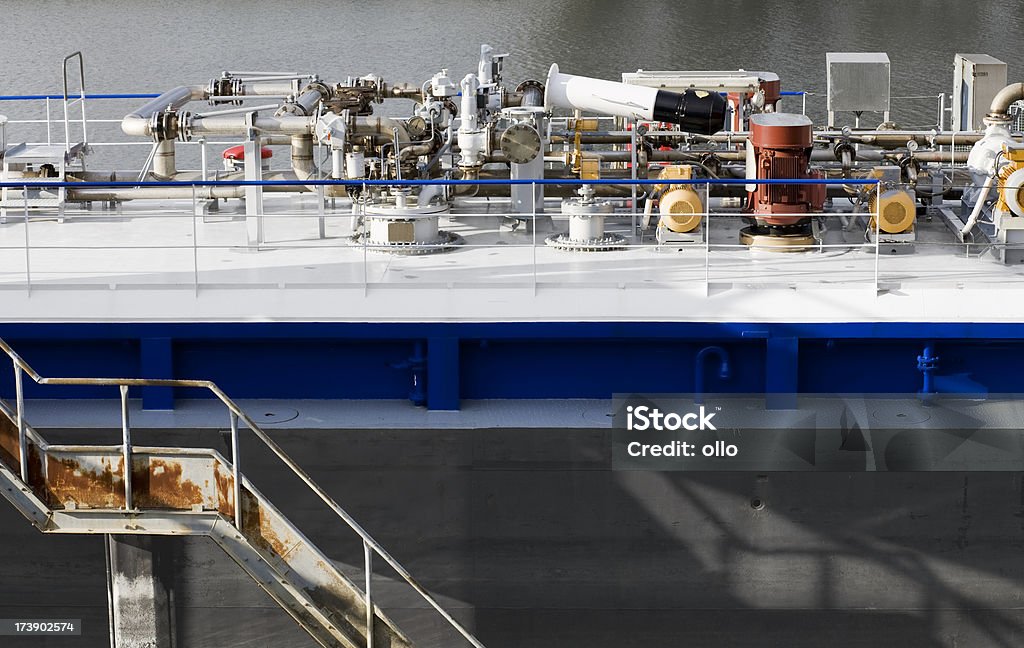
(976, 80)
(857, 82)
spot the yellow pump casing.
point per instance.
(1011, 189)
(897, 210)
(680, 206)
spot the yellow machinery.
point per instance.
(896, 206)
(680, 207)
(1011, 181)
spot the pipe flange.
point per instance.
(606, 243)
(185, 126)
(445, 242)
(224, 86)
(164, 125)
(844, 147)
(530, 83)
(321, 87)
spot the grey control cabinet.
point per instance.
(857, 82)
(976, 80)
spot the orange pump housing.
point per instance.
(782, 144)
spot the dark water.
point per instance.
(149, 45)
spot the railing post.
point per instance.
(707, 239)
(368, 565)
(236, 471)
(126, 449)
(533, 224)
(22, 437)
(195, 245)
(878, 230)
(366, 240)
(803, 103)
(320, 214)
(28, 265)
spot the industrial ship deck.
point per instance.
(155, 261)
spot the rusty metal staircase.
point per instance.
(84, 489)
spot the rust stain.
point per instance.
(36, 474)
(9, 443)
(258, 527)
(67, 480)
(158, 483)
(225, 491)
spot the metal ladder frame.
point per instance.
(370, 545)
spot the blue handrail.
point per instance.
(434, 181)
(88, 96)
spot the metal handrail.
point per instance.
(67, 103)
(370, 545)
(434, 181)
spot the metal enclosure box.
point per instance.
(858, 81)
(976, 80)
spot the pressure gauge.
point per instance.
(520, 143)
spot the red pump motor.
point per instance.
(779, 148)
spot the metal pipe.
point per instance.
(163, 160)
(235, 111)
(978, 206)
(137, 123)
(1001, 102)
(302, 156)
(236, 124)
(269, 88)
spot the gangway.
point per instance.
(191, 491)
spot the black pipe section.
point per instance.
(696, 111)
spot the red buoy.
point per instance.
(238, 153)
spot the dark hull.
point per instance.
(533, 540)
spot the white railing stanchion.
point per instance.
(533, 225)
(19, 396)
(236, 470)
(49, 137)
(126, 440)
(707, 239)
(28, 246)
(878, 231)
(366, 240)
(195, 245)
(368, 566)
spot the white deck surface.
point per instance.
(154, 261)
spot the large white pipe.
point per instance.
(695, 111)
(598, 96)
(1001, 102)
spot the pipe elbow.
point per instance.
(135, 126)
(137, 123)
(1001, 102)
